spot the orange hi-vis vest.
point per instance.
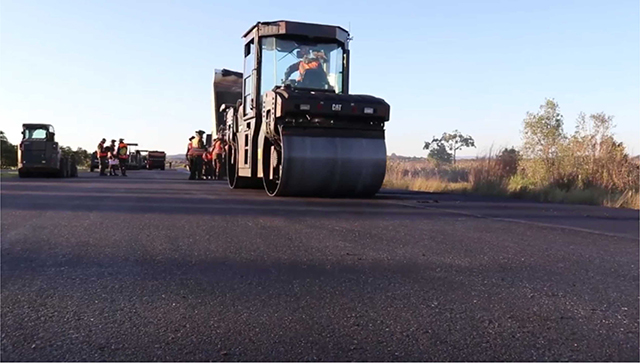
(217, 147)
(196, 147)
(101, 152)
(122, 151)
(302, 67)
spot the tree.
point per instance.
(83, 157)
(543, 133)
(508, 161)
(445, 148)
(8, 151)
(438, 152)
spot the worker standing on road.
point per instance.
(207, 159)
(112, 146)
(218, 152)
(195, 156)
(113, 160)
(102, 157)
(186, 156)
(123, 156)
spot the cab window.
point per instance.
(249, 62)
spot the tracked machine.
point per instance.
(291, 125)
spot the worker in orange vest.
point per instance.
(307, 62)
(208, 164)
(102, 156)
(217, 153)
(123, 156)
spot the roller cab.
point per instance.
(291, 125)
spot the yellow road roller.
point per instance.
(290, 124)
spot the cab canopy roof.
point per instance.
(299, 29)
(36, 126)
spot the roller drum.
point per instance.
(328, 166)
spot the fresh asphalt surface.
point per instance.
(154, 267)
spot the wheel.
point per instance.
(74, 170)
(62, 170)
(271, 166)
(235, 181)
(232, 164)
(22, 173)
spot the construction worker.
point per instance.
(218, 152)
(123, 156)
(207, 159)
(102, 157)
(313, 61)
(195, 156)
(186, 156)
(113, 161)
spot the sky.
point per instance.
(142, 70)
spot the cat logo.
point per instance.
(336, 107)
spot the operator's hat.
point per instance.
(200, 132)
(121, 139)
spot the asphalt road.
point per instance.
(154, 267)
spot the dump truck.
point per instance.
(40, 155)
(156, 159)
(291, 124)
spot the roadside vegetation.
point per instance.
(587, 166)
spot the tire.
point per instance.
(74, 170)
(63, 170)
(22, 174)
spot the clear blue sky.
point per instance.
(142, 69)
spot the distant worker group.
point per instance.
(113, 158)
(205, 162)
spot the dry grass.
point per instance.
(494, 176)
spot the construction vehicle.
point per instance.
(135, 158)
(156, 159)
(293, 128)
(95, 162)
(40, 155)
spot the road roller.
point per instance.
(290, 123)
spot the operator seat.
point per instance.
(314, 78)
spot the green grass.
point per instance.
(8, 174)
